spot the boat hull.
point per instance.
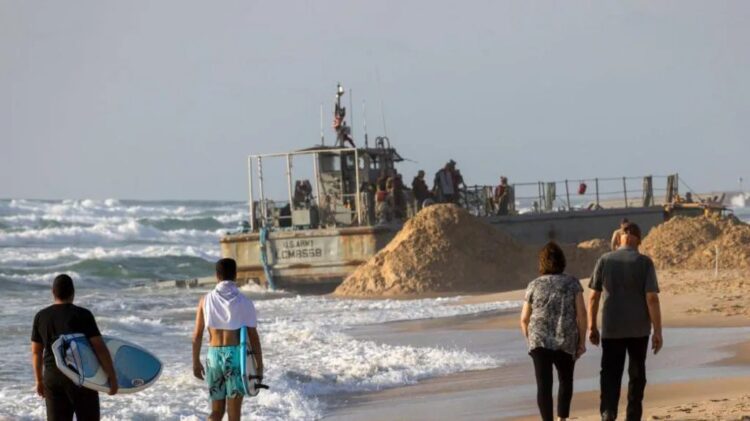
(318, 260)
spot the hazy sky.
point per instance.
(164, 99)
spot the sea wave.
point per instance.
(32, 257)
(102, 233)
(39, 214)
(365, 312)
(34, 278)
(740, 200)
(134, 324)
(191, 223)
(115, 271)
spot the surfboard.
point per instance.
(249, 367)
(136, 368)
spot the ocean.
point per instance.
(112, 248)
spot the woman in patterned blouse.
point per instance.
(553, 320)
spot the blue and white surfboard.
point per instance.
(248, 366)
(135, 367)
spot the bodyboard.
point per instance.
(136, 368)
(248, 365)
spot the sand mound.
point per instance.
(445, 249)
(442, 249)
(582, 258)
(690, 243)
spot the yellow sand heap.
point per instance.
(445, 249)
(691, 243)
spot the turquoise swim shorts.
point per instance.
(223, 372)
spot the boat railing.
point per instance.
(574, 194)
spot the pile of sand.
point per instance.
(445, 249)
(582, 258)
(690, 243)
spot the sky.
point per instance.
(165, 99)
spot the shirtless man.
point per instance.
(617, 234)
(224, 311)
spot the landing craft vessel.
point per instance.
(328, 224)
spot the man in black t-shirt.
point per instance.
(63, 398)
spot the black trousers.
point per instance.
(63, 398)
(613, 364)
(544, 359)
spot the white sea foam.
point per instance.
(231, 217)
(22, 213)
(75, 254)
(130, 231)
(363, 312)
(134, 324)
(740, 200)
(36, 278)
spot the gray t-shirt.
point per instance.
(553, 312)
(624, 276)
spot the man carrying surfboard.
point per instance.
(225, 311)
(63, 398)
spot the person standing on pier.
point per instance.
(420, 189)
(445, 188)
(502, 196)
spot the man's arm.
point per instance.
(654, 311)
(257, 350)
(597, 286)
(105, 360)
(582, 324)
(594, 299)
(37, 351)
(200, 325)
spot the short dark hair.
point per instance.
(62, 287)
(624, 221)
(551, 259)
(226, 269)
(633, 229)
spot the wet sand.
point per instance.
(702, 373)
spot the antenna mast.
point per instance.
(382, 108)
(364, 121)
(351, 116)
(322, 136)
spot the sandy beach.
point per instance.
(702, 373)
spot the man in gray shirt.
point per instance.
(625, 282)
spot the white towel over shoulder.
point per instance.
(227, 308)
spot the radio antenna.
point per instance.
(382, 108)
(382, 113)
(322, 136)
(364, 121)
(351, 115)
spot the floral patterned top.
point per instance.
(553, 312)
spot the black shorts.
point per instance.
(63, 398)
